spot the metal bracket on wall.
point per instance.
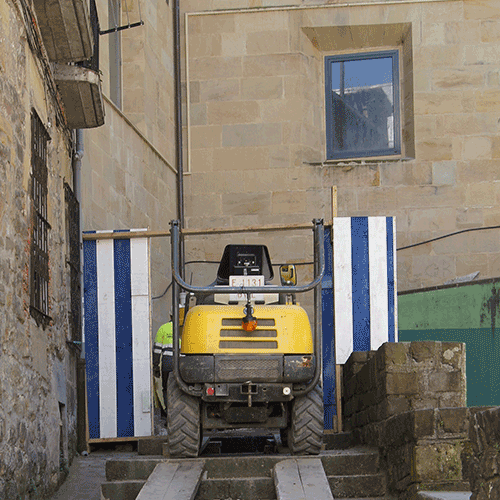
(125, 26)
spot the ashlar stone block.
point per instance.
(209, 68)
(481, 9)
(219, 89)
(401, 383)
(251, 135)
(246, 203)
(487, 101)
(206, 136)
(268, 42)
(249, 159)
(287, 202)
(445, 381)
(392, 354)
(423, 423)
(262, 88)
(233, 112)
(437, 462)
(477, 148)
(435, 149)
(453, 420)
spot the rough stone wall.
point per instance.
(37, 367)
(482, 458)
(255, 135)
(408, 400)
(400, 377)
(425, 450)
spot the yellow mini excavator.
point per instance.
(249, 357)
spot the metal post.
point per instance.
(175, 308)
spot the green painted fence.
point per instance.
(467, 313)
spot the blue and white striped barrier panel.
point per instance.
(117, 329)
(364, 284)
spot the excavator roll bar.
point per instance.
(179, 283)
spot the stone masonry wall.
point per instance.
(400, 377)
(407, 399)
(425, 450)
(37, 366)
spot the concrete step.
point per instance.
(249, 488)
(355, 460)
(121, 490)
(336, 463)
(353, 473)
(242, 489)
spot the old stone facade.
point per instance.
(37, 359)
(256, 137)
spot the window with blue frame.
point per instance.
(362, 105)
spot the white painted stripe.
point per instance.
(342, 288)
(107, 338)
(377, 252)
(395, 265)
(141, 337)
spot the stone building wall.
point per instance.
(255, 125)
(37, 365)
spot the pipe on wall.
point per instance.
(178, 126)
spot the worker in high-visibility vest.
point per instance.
(163, 360)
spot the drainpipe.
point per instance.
(178, 125)
(77, 186)
(81, 425)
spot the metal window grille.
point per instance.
(73, 231)
(39, 258)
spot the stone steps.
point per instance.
(352, 473)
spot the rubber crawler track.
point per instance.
(183, 421)
(306, 432)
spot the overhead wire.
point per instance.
(425, 242)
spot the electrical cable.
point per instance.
(447, 236)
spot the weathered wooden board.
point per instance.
(173, 481)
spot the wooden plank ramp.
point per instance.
(301, 479)
(173, 481)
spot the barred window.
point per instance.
(39, 258)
